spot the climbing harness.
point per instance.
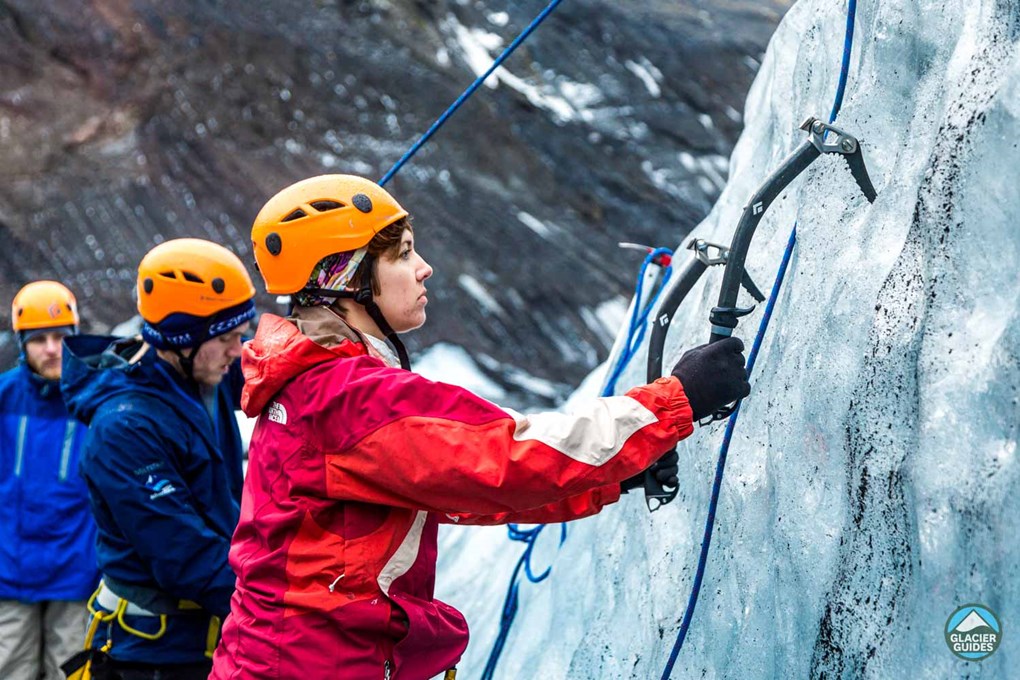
(727, 299)
(107, 608)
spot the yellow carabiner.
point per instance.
(90, 633)
(122, 606)
(213, 636)
(91, 607)
(85, 657)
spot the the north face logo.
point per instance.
(277, 413)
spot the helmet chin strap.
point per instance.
(187, 362)
(365, 298)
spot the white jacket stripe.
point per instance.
(593, 435)
(405, 555)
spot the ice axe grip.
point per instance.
(704, 255)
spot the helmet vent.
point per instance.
(274, 244)
(188, 276)
(219, 285)
(147, 284)
(362, 203)
(296, 215)
(326, 206)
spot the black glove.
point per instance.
(713, 375)
(665, 470)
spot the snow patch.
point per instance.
(448, 363)
(566, 100)
(647, 74)
(478, 292)
(475, 44)
(534, 224)
(612, 314)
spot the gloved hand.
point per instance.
(665, 470)
(713, 375)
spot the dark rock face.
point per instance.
(125, 123)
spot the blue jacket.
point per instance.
(47, 535)
(164, 478)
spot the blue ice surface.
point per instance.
(872, 484)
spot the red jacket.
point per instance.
(353, 464)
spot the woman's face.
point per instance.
(402, 286)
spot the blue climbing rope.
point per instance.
(527, 536)
(510, 604)
(752, 357)
(637, 327)
(635, 333)
(469, 91)
(721, 466)
(638, 318)
(844, 69)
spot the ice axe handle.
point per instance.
(657, 495)
(724, 320)
(720, 333)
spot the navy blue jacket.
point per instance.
(164, 478)
(47, 535)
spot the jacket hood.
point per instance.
(97, 368)
(280, 351)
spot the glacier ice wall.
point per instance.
(872, 484)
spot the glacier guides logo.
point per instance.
(973, 632)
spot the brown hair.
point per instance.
(385, 244)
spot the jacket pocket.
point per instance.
(316, 568)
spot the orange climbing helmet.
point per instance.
(191, 290)
(314, 218)
(44, 305)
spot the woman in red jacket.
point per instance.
(355, 460)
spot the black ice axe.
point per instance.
(823, 138)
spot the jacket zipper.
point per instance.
(65, 453)
(386, 670)
(19, 451)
